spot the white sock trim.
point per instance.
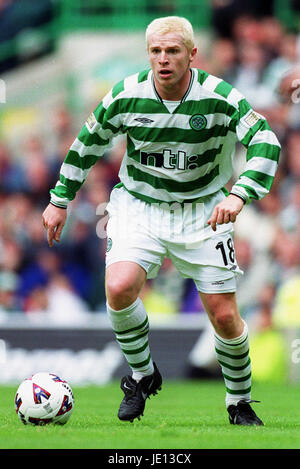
(235, 340)
(125, 310)
(138, 375)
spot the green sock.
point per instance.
(131, 328)
(233, 356)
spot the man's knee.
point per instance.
(224, 319)
(123, 285)
(120, 293)
(223, 313)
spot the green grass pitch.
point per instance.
(184, 415)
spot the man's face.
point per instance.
(170, 61)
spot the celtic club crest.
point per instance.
(198, 121)
(109, 244)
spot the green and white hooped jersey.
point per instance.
(178, 155)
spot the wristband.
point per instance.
(239, 196)
(58, 206)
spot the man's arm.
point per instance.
(226, 211)
(93, 140)
(54, 219)
(263, 150)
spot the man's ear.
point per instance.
(193, 54)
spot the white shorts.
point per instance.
(147, 233)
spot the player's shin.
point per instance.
(131, 328)
(233, 356)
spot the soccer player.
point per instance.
(181, 125)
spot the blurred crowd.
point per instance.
(256, 56)
(24, 31)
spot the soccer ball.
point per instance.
(44, 398)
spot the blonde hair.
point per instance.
(174, 24)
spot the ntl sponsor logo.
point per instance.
(169, 160)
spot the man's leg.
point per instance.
(232, 351)
(124, 281)
(231, 344)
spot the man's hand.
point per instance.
(226, 211)
(54, 219)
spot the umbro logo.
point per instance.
(143, 120)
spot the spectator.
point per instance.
(58, 302)
(249, 74)
(223, 59)
(269, 360)
(257, 267)
(288, 57)
(8, 287)
(287, 303)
